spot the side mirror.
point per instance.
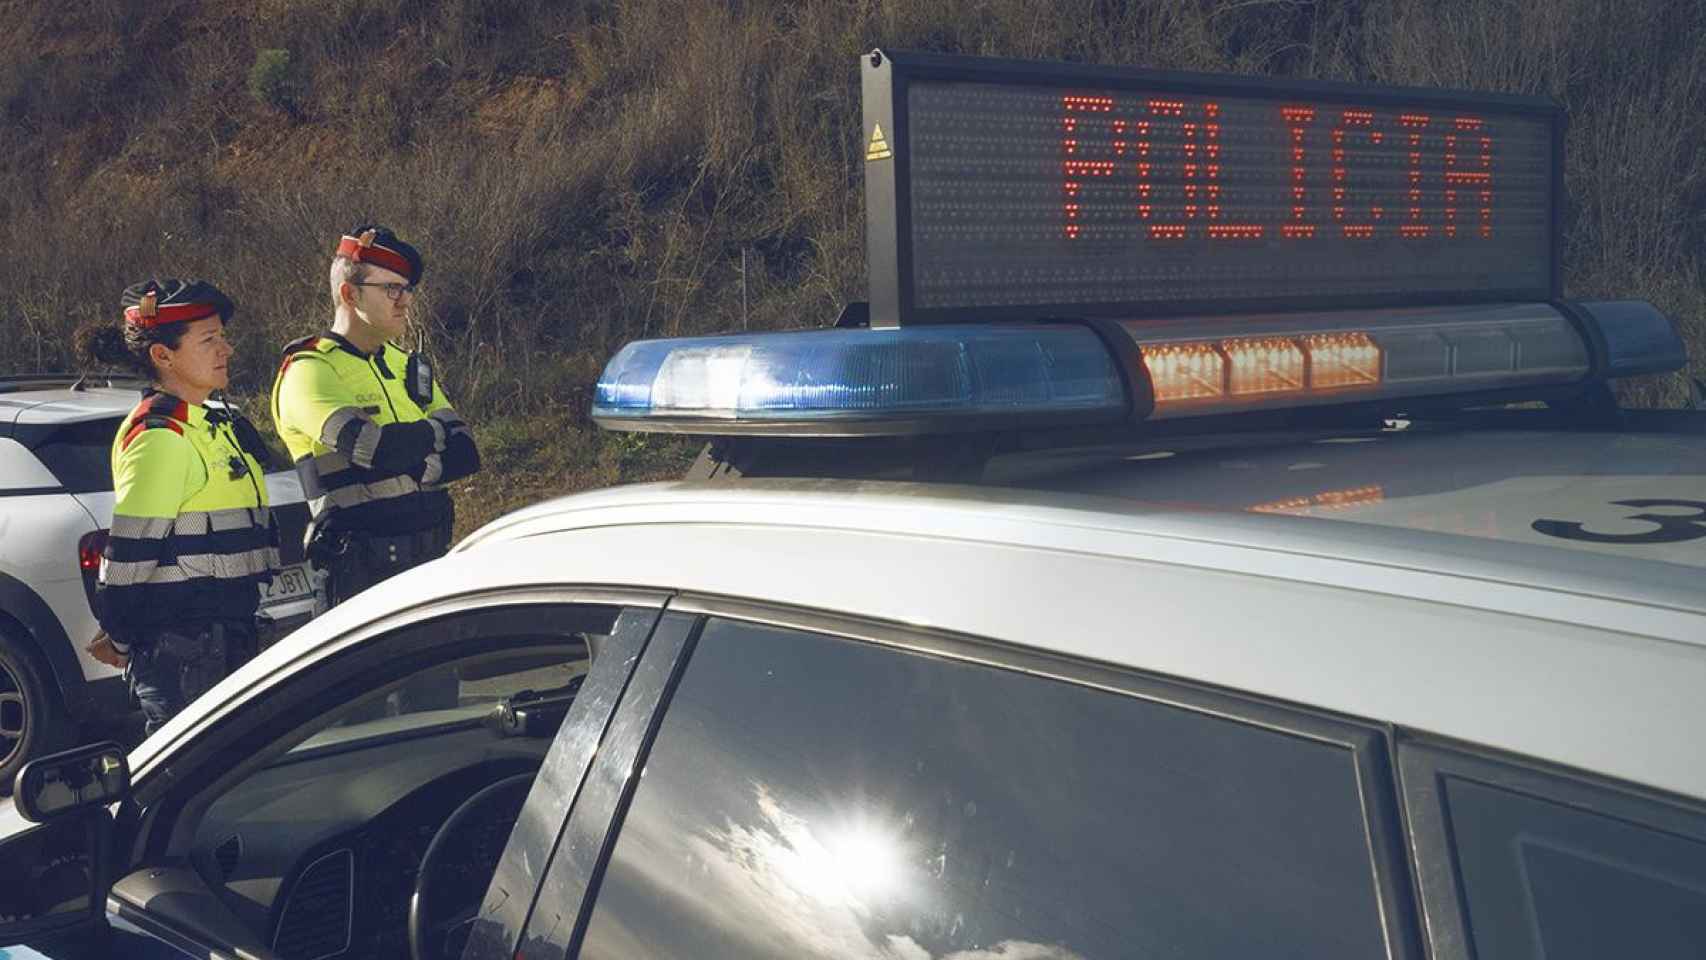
(50, 787)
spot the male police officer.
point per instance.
(373, 437)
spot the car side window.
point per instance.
(79, 455)
(397, 795)
(1552, 868)
(463, 687)
(810, 795)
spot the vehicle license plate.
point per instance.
(290, 583)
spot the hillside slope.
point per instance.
(580, 174)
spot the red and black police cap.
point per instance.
(372, 243)
(157, 302)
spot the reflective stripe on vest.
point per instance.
(219, 566)
(223, 527)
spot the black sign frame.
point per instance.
(886, 77)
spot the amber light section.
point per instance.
(1263, 365)
(1342, 360)
(1185, 371)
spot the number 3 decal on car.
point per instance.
(1668, 528)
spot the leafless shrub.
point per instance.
(582, 174)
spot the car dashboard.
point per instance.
(320, 853)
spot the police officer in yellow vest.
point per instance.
(192, 538)
(373, 436)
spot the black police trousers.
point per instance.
(171, 666)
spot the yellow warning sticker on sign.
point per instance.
(878, 148)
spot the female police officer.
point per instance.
(192, 537)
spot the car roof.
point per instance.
(1549, 509)
(1504, 571)
(61, 404)
(1565, 490)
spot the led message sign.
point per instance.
(1003, 189)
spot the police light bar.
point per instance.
(850, 382)
(997, 377)
(999, 189)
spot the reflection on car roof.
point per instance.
(1633, 495)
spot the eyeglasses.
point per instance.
(393, 291)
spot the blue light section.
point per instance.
(912, 372)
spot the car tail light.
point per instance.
(90, 548)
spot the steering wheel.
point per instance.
(438, 923)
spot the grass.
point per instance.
(579, 175)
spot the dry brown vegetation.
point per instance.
(580, 174)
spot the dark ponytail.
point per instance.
(104, 346)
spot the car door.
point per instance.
(314, 796)
(784, 783)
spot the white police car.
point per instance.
(1256, 635)
(56, 501)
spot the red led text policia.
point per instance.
(1337, 174)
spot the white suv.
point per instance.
(56, 501)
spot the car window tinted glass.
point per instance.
(816, 796)
(457, 691)
(320, 848)
(331, 839)
(1542, 879)
(80, 455)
